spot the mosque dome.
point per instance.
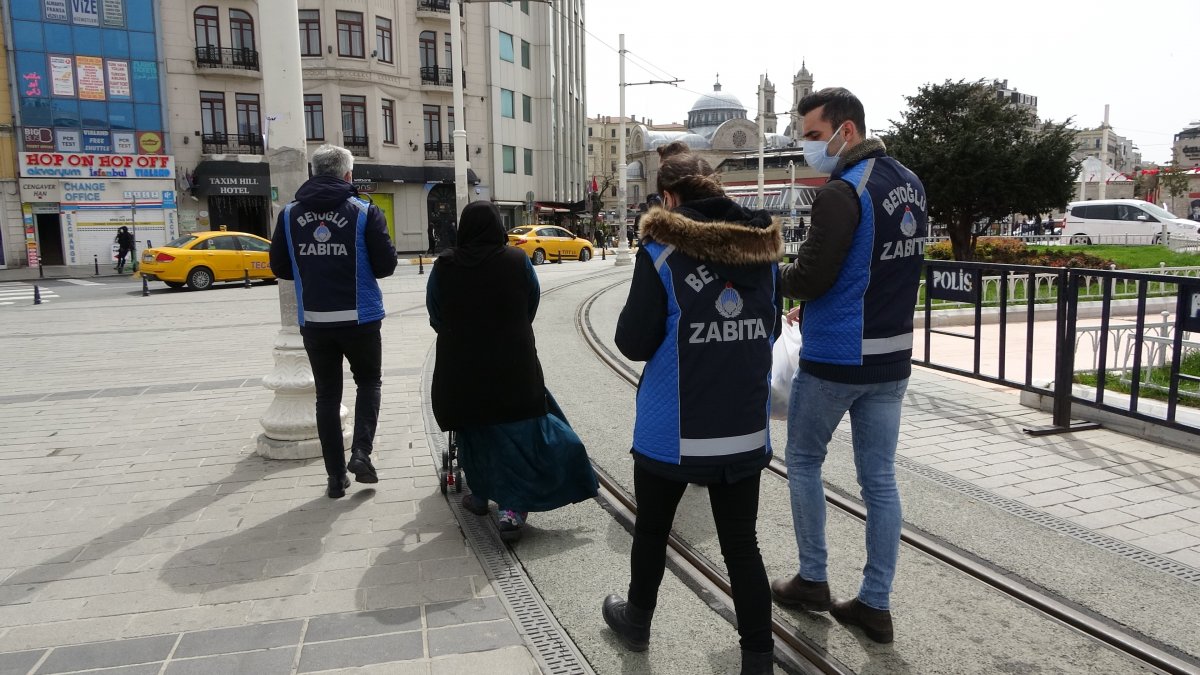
(712, 110)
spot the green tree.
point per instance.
(604, 182)
(981, 159)
(1174, 181)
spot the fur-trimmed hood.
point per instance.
(717, 230)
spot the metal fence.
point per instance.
(1140, 350)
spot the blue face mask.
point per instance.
(815, 153)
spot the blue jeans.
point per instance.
(816, 408)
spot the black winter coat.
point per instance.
(486, 369)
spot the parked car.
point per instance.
(1122, 221)
(546, 242)
(202, 258)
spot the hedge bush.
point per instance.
(1010, 251)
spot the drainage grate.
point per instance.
(1140, 555)
(555, 652)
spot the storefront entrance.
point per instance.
(240, 214)
(50, 243)
(442, 231)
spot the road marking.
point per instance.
(12, 291)
(81, 282)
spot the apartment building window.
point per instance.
(506, 47)
(612, 133)
(241, 29)
(524, 53)
(208, 27)
(314, 117)
(350, 34)
(389, 121)
(212, 113)
(589, 148)
(509, 154)
(450, 123)
(383, 39)
(612, 167)
(449, 60)
(354, 122)
(248, 118)
(528, 162)
(525, 6)
(506, 104)
(526, 108)
(612, 149)
(589, 132)
(433, 124)
(427, 49)
(310, 32)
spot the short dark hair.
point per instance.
(840, 106)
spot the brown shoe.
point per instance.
(799, 593)
(876, 623)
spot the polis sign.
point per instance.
(93, 165)
(1189, 308)
(954, 284)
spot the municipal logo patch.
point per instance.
(908, 224)
(322, 233)
(729, 302)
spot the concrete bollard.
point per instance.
(421, 264)
(145, 288)
(558, 257)
(37, 295)
(247, 280)
(96, 261)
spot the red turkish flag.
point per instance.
(595, 187)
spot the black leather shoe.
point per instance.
(337, 486)
(360, 465)
(632, 625)
(876, 623)
(799, 593)
(757, 663)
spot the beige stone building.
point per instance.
(1186, 147)
(378, 80)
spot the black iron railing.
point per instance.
(440, 76)
(434, 6)
(439, 150)
(235, 144)
(218, 57)
(357, 145)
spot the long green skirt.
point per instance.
(537, 464)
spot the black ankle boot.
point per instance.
(632, 625)
(757, 663)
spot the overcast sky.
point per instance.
(1139, 57)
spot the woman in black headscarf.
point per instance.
(514, 442)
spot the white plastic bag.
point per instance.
(785, 360)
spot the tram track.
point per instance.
(814, 658)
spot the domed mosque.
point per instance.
(718, 129)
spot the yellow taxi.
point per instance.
(547, 242)
(203, 258)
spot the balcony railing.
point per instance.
(231, 144)
(218, 57)
(443, 77)
(357, 145)
(439, 150)
(434, 6)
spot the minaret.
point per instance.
(802, 86)
(770, 124)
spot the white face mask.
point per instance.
(815, 154)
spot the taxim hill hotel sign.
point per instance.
(92, 165)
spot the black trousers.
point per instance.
(361, 346)
(735, 511)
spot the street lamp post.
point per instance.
(762, 138)
(459, 135)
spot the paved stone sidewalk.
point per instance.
(143, 536)
(1141, 493)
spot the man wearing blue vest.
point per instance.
(858, 273)
(334, 245)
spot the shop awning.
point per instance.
(232, 179)
(391, 173)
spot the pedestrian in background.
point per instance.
(704, 264)
(513, 441)
(858, 272)
(125, 246)
(334, 246)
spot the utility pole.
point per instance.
(461, 189)
(290, 422)
(792, 191)
(762, 137)
(622, 165)
(1104, 153)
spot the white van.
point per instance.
(1122, 222)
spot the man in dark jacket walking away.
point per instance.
(334, 245)
(858, 272)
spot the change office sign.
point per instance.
(955, 284)
(1189, 308)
